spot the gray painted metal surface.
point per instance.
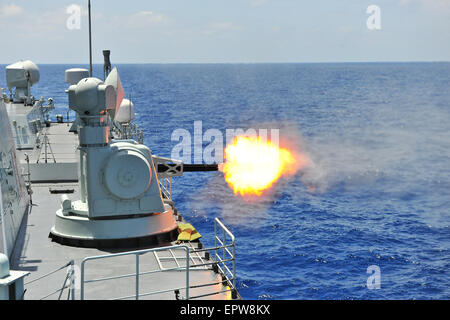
(50, 165)
(13, 193)
(37, 254)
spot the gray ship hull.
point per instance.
(14, 197)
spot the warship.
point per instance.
(87, 211)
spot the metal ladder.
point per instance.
(168, 259)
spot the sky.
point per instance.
(227, 31)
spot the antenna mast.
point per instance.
(90, 40)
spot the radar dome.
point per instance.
(126, 112)
(75, 75)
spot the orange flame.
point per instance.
(253, 165)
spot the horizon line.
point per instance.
(268, 62)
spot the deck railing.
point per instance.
(228, 257)
(137, 274)
(223, 262)
(69, 281)
(165, 185)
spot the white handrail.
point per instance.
(219, 264)
(223, 244)
(137, 273)
(5, 245)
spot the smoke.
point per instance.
(380, 161)
(322, 163)
(336, 162)
(250, 210)
(234, 209)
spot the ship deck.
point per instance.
(60, 146)
(55, 158)
(35, 252)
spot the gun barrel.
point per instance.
(200, 167)
(162, 168)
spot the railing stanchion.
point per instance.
(137, 276)
(72, 279)
(82, 281)
(215, 238)
(187, 273)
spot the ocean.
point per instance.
(377, 194)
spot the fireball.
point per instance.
(253, 165)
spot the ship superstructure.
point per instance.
(87, 210)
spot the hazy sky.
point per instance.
(154, 31)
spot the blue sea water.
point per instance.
(377, 192)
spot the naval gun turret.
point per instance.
(120, 198)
